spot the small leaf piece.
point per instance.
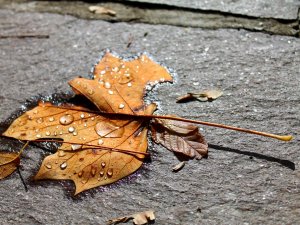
(9, 161)
(178, 167)
(140, 218)
(208, 95)
(181, 137)
(102, 10)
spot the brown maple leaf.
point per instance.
(97, 149)
(180, 137)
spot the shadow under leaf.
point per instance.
(286, 163)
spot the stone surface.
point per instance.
(160, 14)
(280, 9)
(245, 180)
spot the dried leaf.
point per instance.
(138, 218)
(97, 149)
(208, 95)
(178, 167)
(181, 137)
(9, 162)
(102, 10)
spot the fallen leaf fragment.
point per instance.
(178, 167)
(208, 95)
(9, 162)
(140, 218)
(102, 10)
(180, 137)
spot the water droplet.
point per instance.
(102, 72)
(48, 133)
(40, 120)
(110, 172)
(61, 153)
(76, 147)
(100, 142)
(74, 133)
(66, 119)
(38, 136)
(101, 173)
(48, 166)
(51, 119)
(121, 106)
(103, 164)
(109, 129)
(105, 178)
(63, 165)
(129, 84)
(110, 92)
(93, 118)
(71, 129)
(107, 85)
(85, 124)
(80, 174)
(82, 116)
(91, 91)
(37, 130)
(93, 171)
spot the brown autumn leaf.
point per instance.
(97, 149)
(181, 137)
(9, 162)
(207, 95)
(140, 218)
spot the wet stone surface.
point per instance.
(245, 180)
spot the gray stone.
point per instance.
(245, 180)
(280, 9)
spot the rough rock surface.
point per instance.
(280, 9)
(245, 180)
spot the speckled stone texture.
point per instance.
(245, 180)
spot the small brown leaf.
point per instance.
(178, 167)
(208, 95)
(138, 218)
(9, 161)
(102, 10)
(181, 137)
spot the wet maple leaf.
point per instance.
(97, 149)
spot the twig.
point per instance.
(39, 36)
(22, 179)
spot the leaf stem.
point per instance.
(279, 137)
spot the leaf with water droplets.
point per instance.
(9, 162)
(97, 149)
(180, 137)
